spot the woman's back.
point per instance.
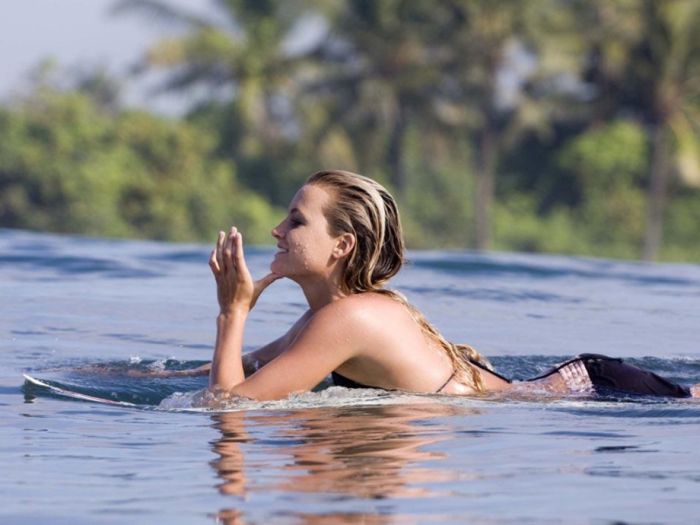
(393, 351)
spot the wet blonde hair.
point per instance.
(364, 208)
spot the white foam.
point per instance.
(335, 396)
(158, 365)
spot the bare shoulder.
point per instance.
(359, 324)
(360, 315)
(363, 307)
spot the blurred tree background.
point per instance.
(568, 126)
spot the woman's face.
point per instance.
(304, 242)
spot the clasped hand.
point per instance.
(236, 290)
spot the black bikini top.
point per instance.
(341, 380)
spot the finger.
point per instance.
(234, 232)
(239, 255)
(228, 250)
(220, 250)
(213, 263)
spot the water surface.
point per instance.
(87, 312)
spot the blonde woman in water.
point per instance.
(341, 242)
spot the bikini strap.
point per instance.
(488, 370)
(446, 382)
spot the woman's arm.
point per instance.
(227, 364)
(324, 343)
(237, 294)
(255, 360)
(252, 361)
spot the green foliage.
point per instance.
(66, 166)
(683, 228)
(433, 210)
(434, 206)
(559, 126)
(609, 164)
(518, 227)
(607, 157)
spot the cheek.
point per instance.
(304, 255)
(311, 254)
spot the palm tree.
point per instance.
(435, 66)
(487, 83)
(376, 76)
(643, 59)
(242, 53)
(672, 72)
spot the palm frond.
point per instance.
(161, 12)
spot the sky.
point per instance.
(77, 32)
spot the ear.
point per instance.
(344, 245)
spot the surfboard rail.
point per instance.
(76, 395)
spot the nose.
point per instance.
(276, 232)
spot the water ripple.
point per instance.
(596, 270)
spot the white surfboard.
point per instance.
(77, 395)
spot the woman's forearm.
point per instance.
(227, 366)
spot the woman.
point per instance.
(341, 242)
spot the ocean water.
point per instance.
(96, 315)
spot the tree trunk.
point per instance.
(656, 197)
(484, 190)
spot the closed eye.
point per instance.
(296, 218)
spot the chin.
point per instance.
(277, 267)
